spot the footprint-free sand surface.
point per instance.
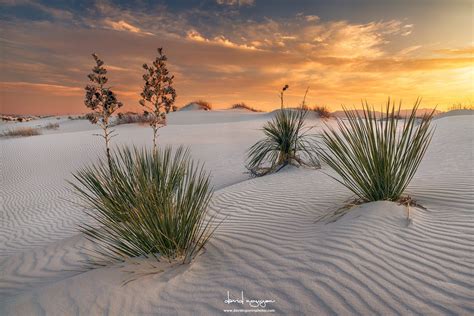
(270, 247)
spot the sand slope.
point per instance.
(369, 262)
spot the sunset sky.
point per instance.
(229, 51)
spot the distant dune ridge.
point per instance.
(403, 113)
(16, 118)
(454, 113)
(198, 105)
(244, 107)
(372, 261)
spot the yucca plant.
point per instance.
(152, 204)
(102, 101)
(377, 158)
(158, 94)
(287, 141)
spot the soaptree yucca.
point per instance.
(152, 204)
(287, 141)
(158, 94)
(376, 158)
(102, 101)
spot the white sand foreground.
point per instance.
(370, 262)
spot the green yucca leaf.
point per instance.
(377, 158)
(286, 141)
(150, 204)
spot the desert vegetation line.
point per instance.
(21, 132)
(243, 106)
(28, 131)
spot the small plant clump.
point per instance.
(287, 141)
(377, 158)
(21, 132)
(52, 126)
(153, 204)
(243, 106)
(203, 105)
(78, 117)
(158, 95)
(14, 118)
(461, 106)
(102, 101)
(322, 111)
(131, 118)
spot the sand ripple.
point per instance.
(370, 262)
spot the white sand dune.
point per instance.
(66, 125)
(455, 113)
(193, 106)
(403, 112)
(370, 262)
(213, 117)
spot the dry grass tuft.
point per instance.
(243, 106)
(322, 111)
(51, 126)
(460, 106)
(203, 104)
(21, 132)
(131, 118)
(78, 117)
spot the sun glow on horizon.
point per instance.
(240, 55)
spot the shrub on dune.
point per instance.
(322, 111)
(199, 105)
(243, 106)
(78, 117)
(461, 106)
(132, 118)
(51, 126)
(287, 141)
(21, 132)
(203, 105)
(152, 204)
(377, 158)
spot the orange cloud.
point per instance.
(124, 26)
(52, 89)
(342, 62)
(457, 51)
(221, 40)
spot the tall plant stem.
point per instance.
(155, 132)
(303, 104)
(105, 128)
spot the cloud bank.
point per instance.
(224, 57)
